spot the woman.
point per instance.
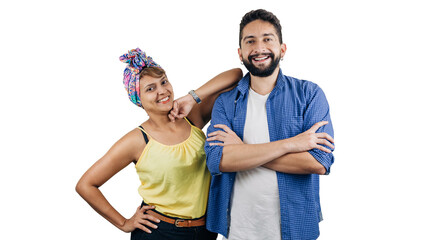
(168, 154)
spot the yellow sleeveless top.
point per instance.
(174, 178)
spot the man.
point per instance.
(267, 187)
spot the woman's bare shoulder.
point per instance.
(130, 146)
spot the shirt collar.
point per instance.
(243, 85)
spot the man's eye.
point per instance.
(164, 82)
(250, 42)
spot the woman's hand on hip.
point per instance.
(140, 220)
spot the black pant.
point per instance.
(167, 231)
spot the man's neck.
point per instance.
(264, 85)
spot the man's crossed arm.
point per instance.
(288, 155)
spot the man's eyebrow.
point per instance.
(268, 34)
(250, 36)
(264, 35)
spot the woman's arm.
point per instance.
(121, 154)
(200, 114)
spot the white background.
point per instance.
(63, 103)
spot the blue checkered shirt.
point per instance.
(293, 106)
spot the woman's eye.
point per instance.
(164, 82)
(149, 89)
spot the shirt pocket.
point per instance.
(293, 125)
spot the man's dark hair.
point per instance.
(264, 15)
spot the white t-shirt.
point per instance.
(255, 206)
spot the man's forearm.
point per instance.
(296, 163)
(240, 157)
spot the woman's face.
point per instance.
(156, 94)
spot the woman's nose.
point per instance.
(162, 90)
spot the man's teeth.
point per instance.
(260, 58)
(164, 99)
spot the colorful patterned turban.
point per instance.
(136, 60)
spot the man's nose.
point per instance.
(259, 47)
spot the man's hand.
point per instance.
(181, 107)
(309, 140)
(226, 137)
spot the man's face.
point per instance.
(260, 48)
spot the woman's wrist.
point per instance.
(187, 102)
(190, 100)
(195, 97)
(122, 225)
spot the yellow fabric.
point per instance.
(174, 178)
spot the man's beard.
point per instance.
(264, 72)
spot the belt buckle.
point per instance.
(177, 221)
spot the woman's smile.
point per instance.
(164, 100)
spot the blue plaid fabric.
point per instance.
(293, 107)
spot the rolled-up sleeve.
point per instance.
(214, 153)
(318, 110)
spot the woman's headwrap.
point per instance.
(137, 60)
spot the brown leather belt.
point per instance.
(179, 222)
